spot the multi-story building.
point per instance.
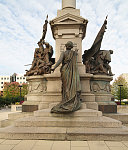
(18, 78)
(2, 80)
(14, 78)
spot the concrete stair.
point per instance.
(68, 122)
(80, 118)
(123, 117)
(61, 133)
(84, 124)
(79, 113)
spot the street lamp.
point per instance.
(120, 92)
(20, 86)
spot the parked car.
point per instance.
(123, 101)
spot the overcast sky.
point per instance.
(21, 24)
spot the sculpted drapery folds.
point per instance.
(71, 88)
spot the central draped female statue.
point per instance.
(71, 87)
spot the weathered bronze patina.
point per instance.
(99, 63)
(45, 28)
(71, 87)
(43, 60)
(96, 60)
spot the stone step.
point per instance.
(5, 123)
(12, 117)
(68, 122)
(79, 113)
(17, 115)
(71, 134)
(123, 117)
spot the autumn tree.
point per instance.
(115, 89)
(12, 89)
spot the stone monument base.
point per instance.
(46, 89)
(100, 87)
(107, 107)
(84, 124)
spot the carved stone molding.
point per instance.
(100, 87)
(69, 20)
(38, 86)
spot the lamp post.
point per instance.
(120, 92)
(20, 86)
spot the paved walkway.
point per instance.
(61, 145)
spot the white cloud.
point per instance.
(21, 28)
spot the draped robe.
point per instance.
(71, 87)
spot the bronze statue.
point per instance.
(99, 64)
(71, 87)
(43, 60)
(48, 52)
(107, 59)
(45, 28)
(96, 60)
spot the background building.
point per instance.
(2, 80)
(14, 78)
(18, 78)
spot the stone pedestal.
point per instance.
(100, 87)
(42, 91)
(87, 96)
(45, 90)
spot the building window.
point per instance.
(4, 78)
(20, 82)
(1, 82)
(7, 78)
(20, 77)
(23, 77)
(2, 87)
(17, 78)
(1, 78)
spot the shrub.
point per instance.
(5, 101)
